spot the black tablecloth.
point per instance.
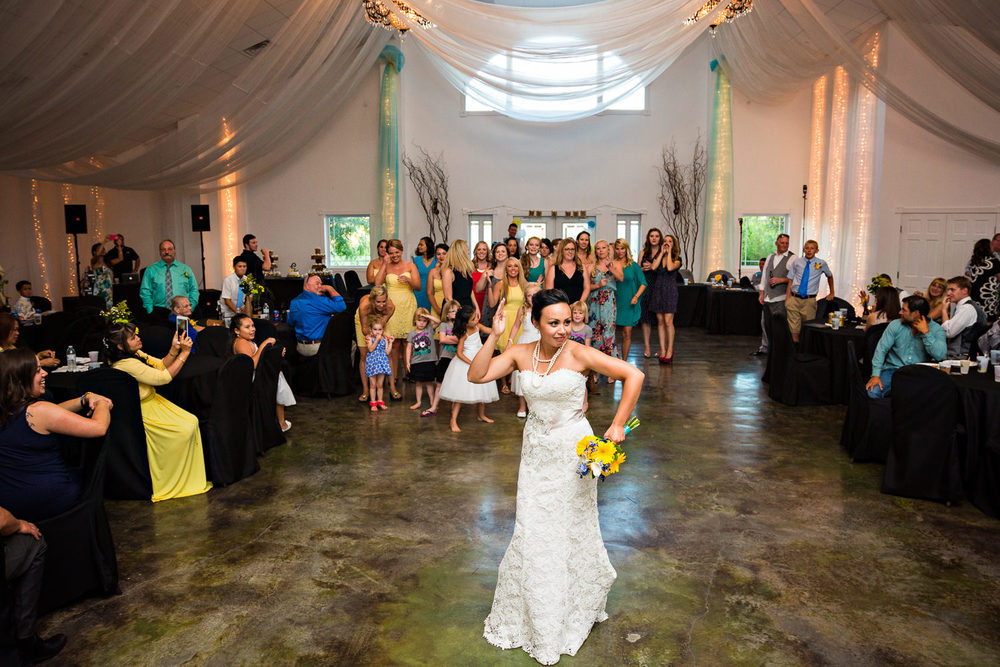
(46, 336)
(733, 311)
(691, 305)
(284, 290)
(823, 340)
(979, 405)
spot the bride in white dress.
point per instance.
(553, 582)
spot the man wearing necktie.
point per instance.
(804, 274)
(166, 279)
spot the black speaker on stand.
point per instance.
(76, 223)
(201, 222)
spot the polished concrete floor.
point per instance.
(741, 534)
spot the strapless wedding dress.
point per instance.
(554, 579)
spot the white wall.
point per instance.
(920, 170)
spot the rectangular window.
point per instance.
(480, 229)
(348, 240)
(629, 228)
(537, 228)
(759, 233)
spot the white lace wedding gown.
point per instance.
(554, 580)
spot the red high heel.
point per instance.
(667, 360)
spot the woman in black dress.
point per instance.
(567, 272)
(650, 251)
(984, 271)
(663, 300)
(456, 275)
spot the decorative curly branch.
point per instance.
(680, 196)
(430, 179)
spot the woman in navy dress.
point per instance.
(35, 482)
(650, 250)
(663, 300)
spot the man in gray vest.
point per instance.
(773, 287)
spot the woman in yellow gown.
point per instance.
(511, 290)
(435, 285)
(399, 277)
(173, 441)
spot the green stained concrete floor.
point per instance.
(741, 533)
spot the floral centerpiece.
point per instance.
(250, 287)
(600, 457)
(878, 281)
(117, 314)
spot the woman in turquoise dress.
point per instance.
(424, 260)
(532, 262)
(104, 278)
(629, 294)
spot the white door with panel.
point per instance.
(938, 243)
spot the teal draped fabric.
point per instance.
(386, 224)
(721, 237)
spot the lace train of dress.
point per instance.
(554, 579)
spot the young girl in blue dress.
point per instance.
(377, 361)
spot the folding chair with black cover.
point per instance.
(331, 371)
(795, 378)
(214, 342)
(867, 432)
(924, 459)
(230, 452)
(266, 430)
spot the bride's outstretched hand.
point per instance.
(499, 319)
(615, 434)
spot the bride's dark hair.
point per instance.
(544, 299)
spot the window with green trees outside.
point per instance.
(348, 240)
(759, 233)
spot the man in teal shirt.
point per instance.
(911, 339)
(167, 279)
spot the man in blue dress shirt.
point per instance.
(166, 279)
(310, 312)
(912, 339)
(804, 275)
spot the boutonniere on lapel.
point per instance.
(187, 275)
(816, 265)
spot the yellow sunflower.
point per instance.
(613, 466)
(606, 451)
(582, 446)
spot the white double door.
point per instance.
(939, 244)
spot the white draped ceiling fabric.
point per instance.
(78, 82)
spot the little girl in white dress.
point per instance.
(456, 386)
(244, 330)
(528, 334)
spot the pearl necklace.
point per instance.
(536, 359)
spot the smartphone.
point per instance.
(182, 325)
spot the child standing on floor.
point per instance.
(421, 355)
(456, 386)
(447, 348)
(580, 332)
(528, 334)
(377, 361)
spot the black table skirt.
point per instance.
(691, 305)
(733, 312)
(823, 340)
(979, 407)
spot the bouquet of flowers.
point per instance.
(117, 314)
(600, 457)
(250, 287)
(877, 281)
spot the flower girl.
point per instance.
(377, 361)
(421, 355)
(447, 347)
(456, 386)
(529, 334)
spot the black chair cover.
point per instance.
(156, 339)
(208, 304)
(267, 432)
(872, 337)
(796, 378)
(340, 285)
(330, 372)
(982, 457)
(923, 461)
(9, 654)
(83, 334)
(230, 454)
(353, 283)
(745, 282)
(127, 471)
(214, 342)
(41, 303)
(867, 432)
(194, 387)
(81, 556)
(264, 329)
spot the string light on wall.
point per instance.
(71, 277)
(817, 153)
(36, 221)
(834, 210)
(865, 114)
(378, 13)
(227, 199)
(98, 196)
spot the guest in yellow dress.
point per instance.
(399, 277)
(435, 286)
(511, 290)
(173, 441)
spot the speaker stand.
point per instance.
(739, 263)
(204, 283)
(76, 252)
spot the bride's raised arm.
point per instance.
(485, 367)
(631, 378)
